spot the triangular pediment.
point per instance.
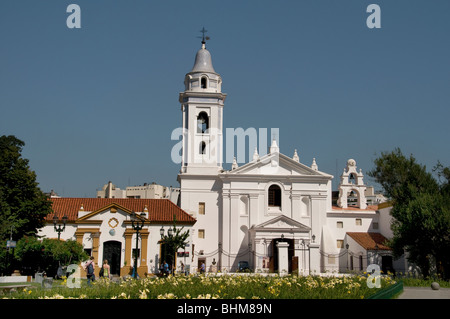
(112, 208)
(282, 223)
(276, 164)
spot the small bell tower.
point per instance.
(352, 188)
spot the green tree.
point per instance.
(23, 206)
(421, 215)
(174, 242)
(47, 255)
(29, 255)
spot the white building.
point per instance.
(103, 226)
(150, 191)
(274, 212)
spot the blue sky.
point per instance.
(100, 103)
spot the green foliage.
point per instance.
(172, 243)
(402, 178)
(421, 210)
(23, 206)
(417, 280)
(7, 261)
(47, 255)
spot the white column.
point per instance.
(260, 252)
(314, 255)
(253, 210)
(283, 262)
(225, 232)
(295, 206)
(234, 227)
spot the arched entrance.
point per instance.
(112, 252)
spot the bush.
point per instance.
(47, 255)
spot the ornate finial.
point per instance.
(314, 165)
(204, 37)
(255, 155)
(235, 164)
(295, 157)
(274, 147)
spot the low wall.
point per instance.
(389, 292)
(14, 279)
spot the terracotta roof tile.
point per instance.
(368, 240)
(369, 207)
(160, 210)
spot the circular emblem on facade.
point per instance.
(113, 222)
(112, 232)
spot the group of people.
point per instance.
(89, 267)
(165, 269)
(105, 271)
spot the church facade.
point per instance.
(273, 213)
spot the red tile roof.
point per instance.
(368, 240)
(160, 210)
(369, 207)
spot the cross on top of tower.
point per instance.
(204, 36)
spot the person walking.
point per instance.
(90, 269)
(203, 268)
(182, 268)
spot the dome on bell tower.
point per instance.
(203, 78)
(203, 61)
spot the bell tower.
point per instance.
(202, 104)
(352, 187)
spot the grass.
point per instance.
(213, 287)
(410, 281)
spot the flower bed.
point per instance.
(217, 287)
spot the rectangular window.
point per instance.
(201, 233)
(358, 222)
(375, 225)
(340, 224)
(331, 260)
(340, 243)
(201, 208)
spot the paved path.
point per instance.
(424, 293)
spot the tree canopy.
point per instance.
(47, 255)
(23, 206)
(421, 209)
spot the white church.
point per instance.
(273, 214)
